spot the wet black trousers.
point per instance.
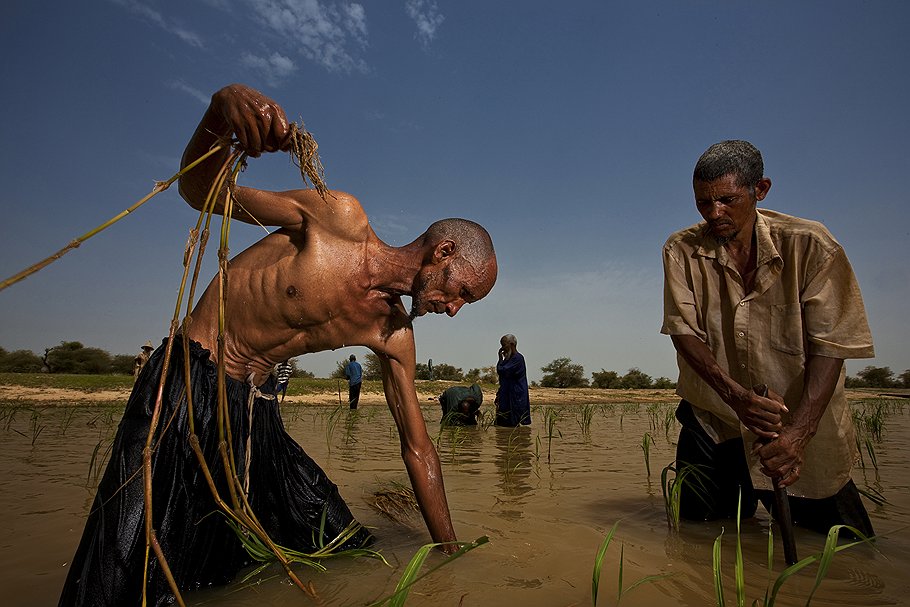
(725, 472)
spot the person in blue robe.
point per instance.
(513, 406)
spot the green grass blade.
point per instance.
(718, 574)
(789, 571)
(410, 577)
(740, 579)
(599, 561)
(622, 550)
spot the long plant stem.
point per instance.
(160, 186)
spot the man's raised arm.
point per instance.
(256, 124)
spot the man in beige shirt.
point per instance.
(753, 296)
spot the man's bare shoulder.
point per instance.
(338, 210)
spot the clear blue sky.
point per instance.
(568, 129)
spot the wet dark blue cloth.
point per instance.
(513, 406)
(287, 490)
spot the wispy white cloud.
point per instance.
(323, 32)
(151, 15)
(180, 85)
(426, 16)
(273, 68)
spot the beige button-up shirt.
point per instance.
(805, 301)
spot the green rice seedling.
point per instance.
(36, 426)
(7, 416)
(513, 453)
(873, 494)
(350, 423)
(875, 422)
(411, 571)
(684, 475)
(598, 567)
(608, 409)
(653, 411)
(669, 420)
(870, 449)
(458, 439)
(550, 419)
(97, 461)
(262, 553)
(330, 424)
(67, 420)
(646, 442)
(485, 419)
(823, 558)
(859, 449)
(584, 422)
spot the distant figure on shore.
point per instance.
(283, 373)
(460, 405)
(322, 281)
(142, 358)
(755, 297)
(513, 405)
(354, 372)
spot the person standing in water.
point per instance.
(513, 405)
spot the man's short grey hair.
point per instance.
(732, 157)
(509, 339)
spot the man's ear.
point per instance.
(444, 250)
(761, 188)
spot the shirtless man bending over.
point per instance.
(324, 280)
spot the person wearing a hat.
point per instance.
(143, 357)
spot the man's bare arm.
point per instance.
(783, 457)
(258, 124)
(417, 450)
(759, 414)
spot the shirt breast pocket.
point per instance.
(787, 328)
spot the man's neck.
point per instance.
(392, 269)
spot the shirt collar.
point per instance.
(767, 252)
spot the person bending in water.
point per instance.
(324, 280)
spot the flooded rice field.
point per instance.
(546, 496)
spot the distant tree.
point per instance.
(422, 371)
(483, 375)
(19, 361)
(605, 380)
(664, 383)
(122, 364)
(296, 371)
(338, 373)
(73, 357)
(854, 382)
(563, 373)
(636, 379)
(447, 372)
(372, 369)
(877, 377)
(905, 379)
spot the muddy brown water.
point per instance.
(545, 497)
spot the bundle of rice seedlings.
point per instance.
(396, 501)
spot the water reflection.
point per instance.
(514, 460)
